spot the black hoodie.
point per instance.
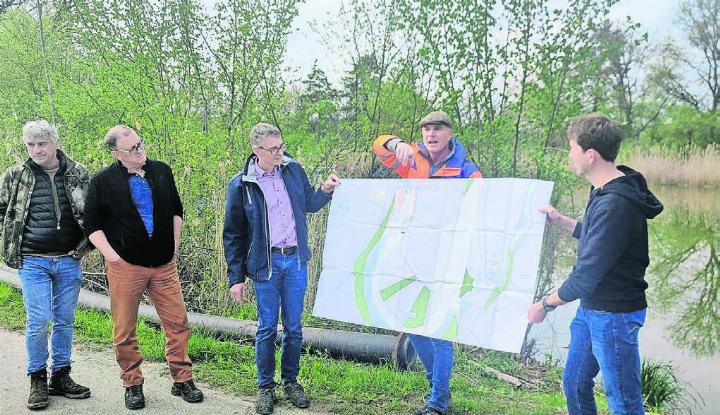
(612, 256)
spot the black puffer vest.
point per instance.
(45, 232)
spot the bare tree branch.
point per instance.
(6, 4)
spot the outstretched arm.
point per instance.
(557, 218)
(394, 153)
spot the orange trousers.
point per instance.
(127, 284)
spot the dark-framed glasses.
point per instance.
(137, 148)
(275, 150)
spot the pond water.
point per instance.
(683, 322)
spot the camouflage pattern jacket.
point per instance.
(16, 186)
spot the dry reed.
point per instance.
(693, 167)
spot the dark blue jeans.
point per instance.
(436, 356)
(50, 292)
(284, 292)
(606, 342)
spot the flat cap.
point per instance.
(436, 117)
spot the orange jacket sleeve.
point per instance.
(387, 157)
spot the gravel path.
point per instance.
(99, 371)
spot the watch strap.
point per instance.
(547, 307)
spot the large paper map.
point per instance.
(451, 259)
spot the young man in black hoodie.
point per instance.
(609, 275)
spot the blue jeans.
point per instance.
(436, 356)
(284, 292)
(50, 291)
(606, 342)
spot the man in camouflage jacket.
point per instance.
(41, 211)
(16, 186)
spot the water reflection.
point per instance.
(684, 275)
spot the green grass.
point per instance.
(335, 385)
(12, 313)
(662, 392)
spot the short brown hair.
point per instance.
(598, 132)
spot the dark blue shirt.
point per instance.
(142, 198)
(109, 207)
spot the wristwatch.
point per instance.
(392, 144)
(547, 307)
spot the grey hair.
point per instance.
(262, 131)
(115, 133)
(40, 129)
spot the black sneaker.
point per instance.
(134, 398)
(61, 384)
(188, 391)
(266, 400)
(38, 398)
(296, 394)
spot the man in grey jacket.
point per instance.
(41, 211)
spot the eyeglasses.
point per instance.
(136, 149)
(275, 150)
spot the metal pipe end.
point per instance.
(404, 354)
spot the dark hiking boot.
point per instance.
(134, 398)
(428, 410)
(426, 398)
(296, 394)
(38, 398)
(266, 400)
(61, 384)
(188, 391)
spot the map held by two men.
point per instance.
(451, 259)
